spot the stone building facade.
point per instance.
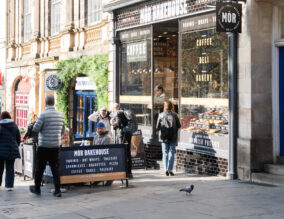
(259, 93)
(41, 33)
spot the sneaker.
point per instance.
(171, 173)
(167, 173)
(9, 189)
(34, 190)
(57, 194)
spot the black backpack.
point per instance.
(122, 118)
(131, 120)
(168, 124)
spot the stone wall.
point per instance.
(254, 89)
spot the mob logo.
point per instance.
(229, 17)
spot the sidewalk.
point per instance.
(150, 195)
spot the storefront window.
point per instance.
(282, 23)
(135, 73)
(204, 82)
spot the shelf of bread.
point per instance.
(214, 121)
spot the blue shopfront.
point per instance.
(84, 104)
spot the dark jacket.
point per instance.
(51, 127)
(118, 122)
(162, 124)
(9, 139)
(31, 135)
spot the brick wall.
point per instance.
(153, 153)
(192, 162)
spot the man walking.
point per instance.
(168, 123)
(50, 126)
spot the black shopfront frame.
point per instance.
(149, 132)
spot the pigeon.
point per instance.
(187, 189)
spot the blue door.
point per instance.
(84, 105)
(281, 99)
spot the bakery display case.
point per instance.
(211, 121)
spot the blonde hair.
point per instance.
(33, 117)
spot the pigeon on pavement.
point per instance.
(187, 189)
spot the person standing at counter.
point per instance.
(9, 148)
(168, 123)
(51, 127)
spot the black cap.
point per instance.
(159, 87)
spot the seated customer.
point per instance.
(102, 137)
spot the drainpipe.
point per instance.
(233, 103)
(115, 42)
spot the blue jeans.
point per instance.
(9, 179)
(169, 150)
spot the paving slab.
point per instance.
(151, 194)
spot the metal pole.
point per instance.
(233, 104)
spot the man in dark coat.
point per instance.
(9, 148)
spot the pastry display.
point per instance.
(213, 121)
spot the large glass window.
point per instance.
(56, 16)
(94, 11)
(204, 82)
(27, 20)
(282, 22)
(135, 73)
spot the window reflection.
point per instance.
(204, 82)
(135, 73)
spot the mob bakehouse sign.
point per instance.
(229, 17)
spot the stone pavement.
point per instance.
(150, 195)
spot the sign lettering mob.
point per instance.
(164, 10)
(229, 17)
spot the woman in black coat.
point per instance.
(9, 148)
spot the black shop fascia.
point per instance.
(170, 50)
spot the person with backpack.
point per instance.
(124, 124)
(168, 124)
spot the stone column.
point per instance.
(12, 20)
(68, 19)
(83, 13)
(35, 18)
(76, 13)
(47, 8)
(42, 18)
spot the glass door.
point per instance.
(84, 105)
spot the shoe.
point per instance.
(167, 173)
(57, 194)
(9, 189)
(34, 190)
(171, 173)
(109, 183)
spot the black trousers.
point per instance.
(128, 136)
(52, 156)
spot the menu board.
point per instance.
(91, 163)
